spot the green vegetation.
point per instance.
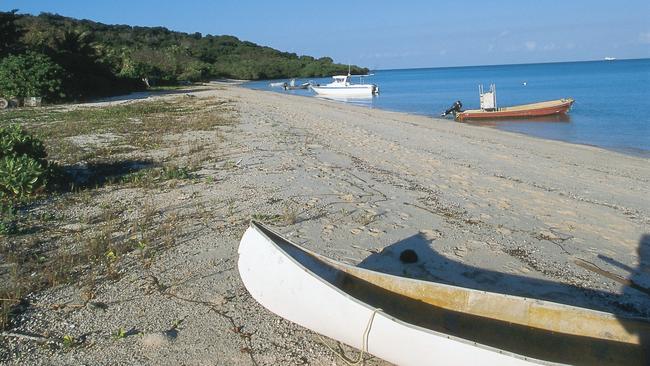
(30, 74)
(82, 233)
(23, 166)
(84, 59)
(23, 172)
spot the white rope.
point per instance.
(364, 344)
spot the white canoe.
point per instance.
(427, 323)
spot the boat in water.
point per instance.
(292, 85)
(413, 322)
(342, 86)
(490, 110)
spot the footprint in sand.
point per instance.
(347, 197)
(355, 231)
(504, 204)
(460, 251)
(404, 216)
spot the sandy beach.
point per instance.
(483, 208)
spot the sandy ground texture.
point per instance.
(483, 208)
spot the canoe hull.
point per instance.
(560, 106)
(287, 288)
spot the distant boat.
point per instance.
(278, 84)
(342, 86)
(292, 85)
(610, 58)
(412, 322)
(490, 110)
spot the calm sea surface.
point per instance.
(612, 108)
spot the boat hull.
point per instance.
(552, 107)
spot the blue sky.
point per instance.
(390, 34)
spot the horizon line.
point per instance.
(512, 64)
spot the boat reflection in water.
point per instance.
(557, 118)
(365, 101)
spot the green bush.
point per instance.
(20, 176)
(15, 141)
(23, 168)
(30, 75)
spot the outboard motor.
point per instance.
(455, 108)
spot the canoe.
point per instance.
(559, 106)
(412, 322)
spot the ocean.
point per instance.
(611, 109)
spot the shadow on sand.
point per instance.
(95, 175)
(634, 301)
(433, 266)
(147, 94)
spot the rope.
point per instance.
(364, 344)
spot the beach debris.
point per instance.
(408, 256)
(589, 266)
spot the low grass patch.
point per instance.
(76, 237)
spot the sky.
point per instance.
(394, 34)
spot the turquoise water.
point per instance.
(611, 110)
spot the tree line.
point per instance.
(62, 58)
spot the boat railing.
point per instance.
(488, 99)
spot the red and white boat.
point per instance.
(490, 110)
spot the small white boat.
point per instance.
(413, 322)
(278, 84)
(342, 86)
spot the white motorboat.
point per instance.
(411, 322)
(342, 86)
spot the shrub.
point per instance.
(20, 176)
(23, 168)
(15, 141)
(30, 75)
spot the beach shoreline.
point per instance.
(483, 208)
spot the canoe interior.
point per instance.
(524, 340)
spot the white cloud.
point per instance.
(504, 33)
(644, 37)
(530, 45)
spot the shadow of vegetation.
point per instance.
(149, 93)
(94, 175)
(433, 266)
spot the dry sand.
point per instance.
(482, 208)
